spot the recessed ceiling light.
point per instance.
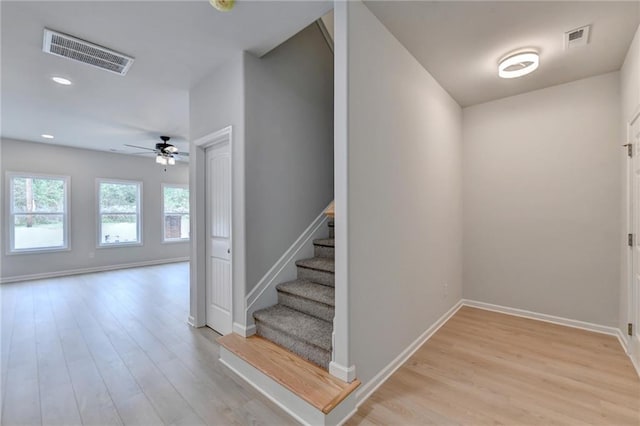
(61, 80)
(518, 65)
(46, 136)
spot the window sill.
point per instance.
(177, 240)
(38, 251)
(119, 245)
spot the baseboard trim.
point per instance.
(247, 331)
(191, 321)
(346, 374)
(613, 331)
(623, 340)
(370, 387)
(282, 270)
(81, 271)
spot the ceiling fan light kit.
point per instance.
(165, 152)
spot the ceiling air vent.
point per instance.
(577, 37)
(66, 46)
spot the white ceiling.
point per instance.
(460, 43)
(175, 44)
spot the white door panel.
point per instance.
(634, 296)
(219, 279)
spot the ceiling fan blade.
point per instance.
(141, 153)
(139, 147)
(183, 154)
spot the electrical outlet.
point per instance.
(445, 290)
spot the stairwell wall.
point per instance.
(404, 195)
(289, 145)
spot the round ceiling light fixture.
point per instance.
(223, 5)
(518, 64)
(62, 81)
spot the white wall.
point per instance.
(404, 195)
(84, 166)
(215, 103)
(630, 91)
(541, 200)
(289, 145)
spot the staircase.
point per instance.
(302, 321)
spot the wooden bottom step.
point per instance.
(306, 380)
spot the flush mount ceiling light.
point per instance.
(518, 64)
(223, 5)
(46, 136)
(62, 81)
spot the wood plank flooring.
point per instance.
(114, 348)
(483, 367)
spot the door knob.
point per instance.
(228, 251)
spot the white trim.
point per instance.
(371, 386)
(191, 321)
(623, 340)
(346, 374)
(244, 331)
(68, 272)
(341, 354)
(197, 211)
(613, 331)
(264, 293)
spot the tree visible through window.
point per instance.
(38, 210)
(176, 212)
(119, 212)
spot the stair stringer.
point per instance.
(295, 406)
(264, 294)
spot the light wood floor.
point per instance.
(114, 348)
(483, 367)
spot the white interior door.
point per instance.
(218, 193)
(634, 296)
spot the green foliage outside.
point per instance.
(37, 195)
(176, 200)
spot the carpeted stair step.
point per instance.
(302, 334)
(307, 297)
(318, 270)
(324, 247)
(331, 233)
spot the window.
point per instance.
(38, 213)
(119, 220)
(175, 206)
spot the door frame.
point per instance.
(198, 213)
(633, 306)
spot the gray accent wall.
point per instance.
(404, 195)
(288, 145)
(542, 200)
(84, 166)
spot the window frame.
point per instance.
(10, 222)
(164, 213)
(138, 213)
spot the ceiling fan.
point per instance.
(165, 152)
